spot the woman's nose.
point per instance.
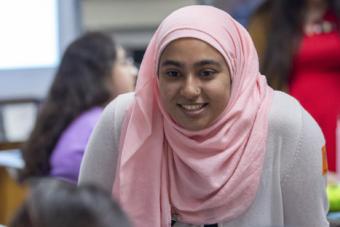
(190, 88)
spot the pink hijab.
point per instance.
(199, 177)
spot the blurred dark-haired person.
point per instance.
(299, 47)
(54, 203)
(93, 71)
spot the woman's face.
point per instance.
(194, 83)
(123, 74)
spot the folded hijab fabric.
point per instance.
(200, 177)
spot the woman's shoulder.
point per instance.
(293, 132)
(288, 114)
(121, 102)
(125, 98)
(285, 113)
(117, 108)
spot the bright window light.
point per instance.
(29, 34)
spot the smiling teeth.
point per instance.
(193, 107)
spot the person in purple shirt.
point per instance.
(93, 71)
(68, 152)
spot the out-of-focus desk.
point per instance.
(9, 146)
(11, 193)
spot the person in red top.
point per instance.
(300, 50)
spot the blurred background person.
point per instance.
(53, 203)
(93, 71)
(298, 43)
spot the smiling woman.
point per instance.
(204, 141)
(194, 83)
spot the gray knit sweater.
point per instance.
(292, 187)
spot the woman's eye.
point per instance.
(207, 73)
(172, 74)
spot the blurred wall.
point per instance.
(33, 82)
(131, 21)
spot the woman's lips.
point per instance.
(192, 110)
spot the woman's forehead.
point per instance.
(193, 51)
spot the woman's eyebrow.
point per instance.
(171, 63)
(207, 62)
(200, 63)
